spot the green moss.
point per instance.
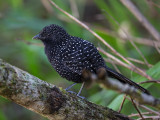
(66, 111)
(9, 78)
(7, 92)
(62, 90)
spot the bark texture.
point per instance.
(47, 99)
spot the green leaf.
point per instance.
(115, 104)
(103, 97)
(2, 116)
(154, 72)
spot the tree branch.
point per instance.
(48, 100)
(127, 89)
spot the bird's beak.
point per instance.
(36, 37)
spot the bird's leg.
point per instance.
(70, 86)
(80, 91)
(74, 92)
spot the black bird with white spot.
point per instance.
(70, 55)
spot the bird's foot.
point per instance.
(76, 94)
(71, 92)
(81, 97)
(70, 86)
(67, 89)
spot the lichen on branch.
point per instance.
(47, 99)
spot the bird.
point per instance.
(70, 56)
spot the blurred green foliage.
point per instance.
(20, 20)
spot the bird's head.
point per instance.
(51, 34)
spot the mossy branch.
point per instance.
(47, 99)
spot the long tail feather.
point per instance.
(123, 79)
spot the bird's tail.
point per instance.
(123, 79)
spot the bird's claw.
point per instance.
(81, 97)
(71, 92)
(76, 94)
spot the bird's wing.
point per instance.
(95, 59)
(72, 57)
(82, 55)
(73, 66)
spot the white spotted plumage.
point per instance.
(71, 55)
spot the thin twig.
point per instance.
(114, 65)
(150, 118)
(153, 3)
(146, 108)
(137, 109)
(117, 60)
(130, 40)
(145, 113)
(150, 81)
(74, 8)
(133, 9)
(143, 41)
(141, 72)
(114, 58)
(124, 98)
(108, 60)
(47, 6)
(157, 48)
(143, 20)
(138, 61)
